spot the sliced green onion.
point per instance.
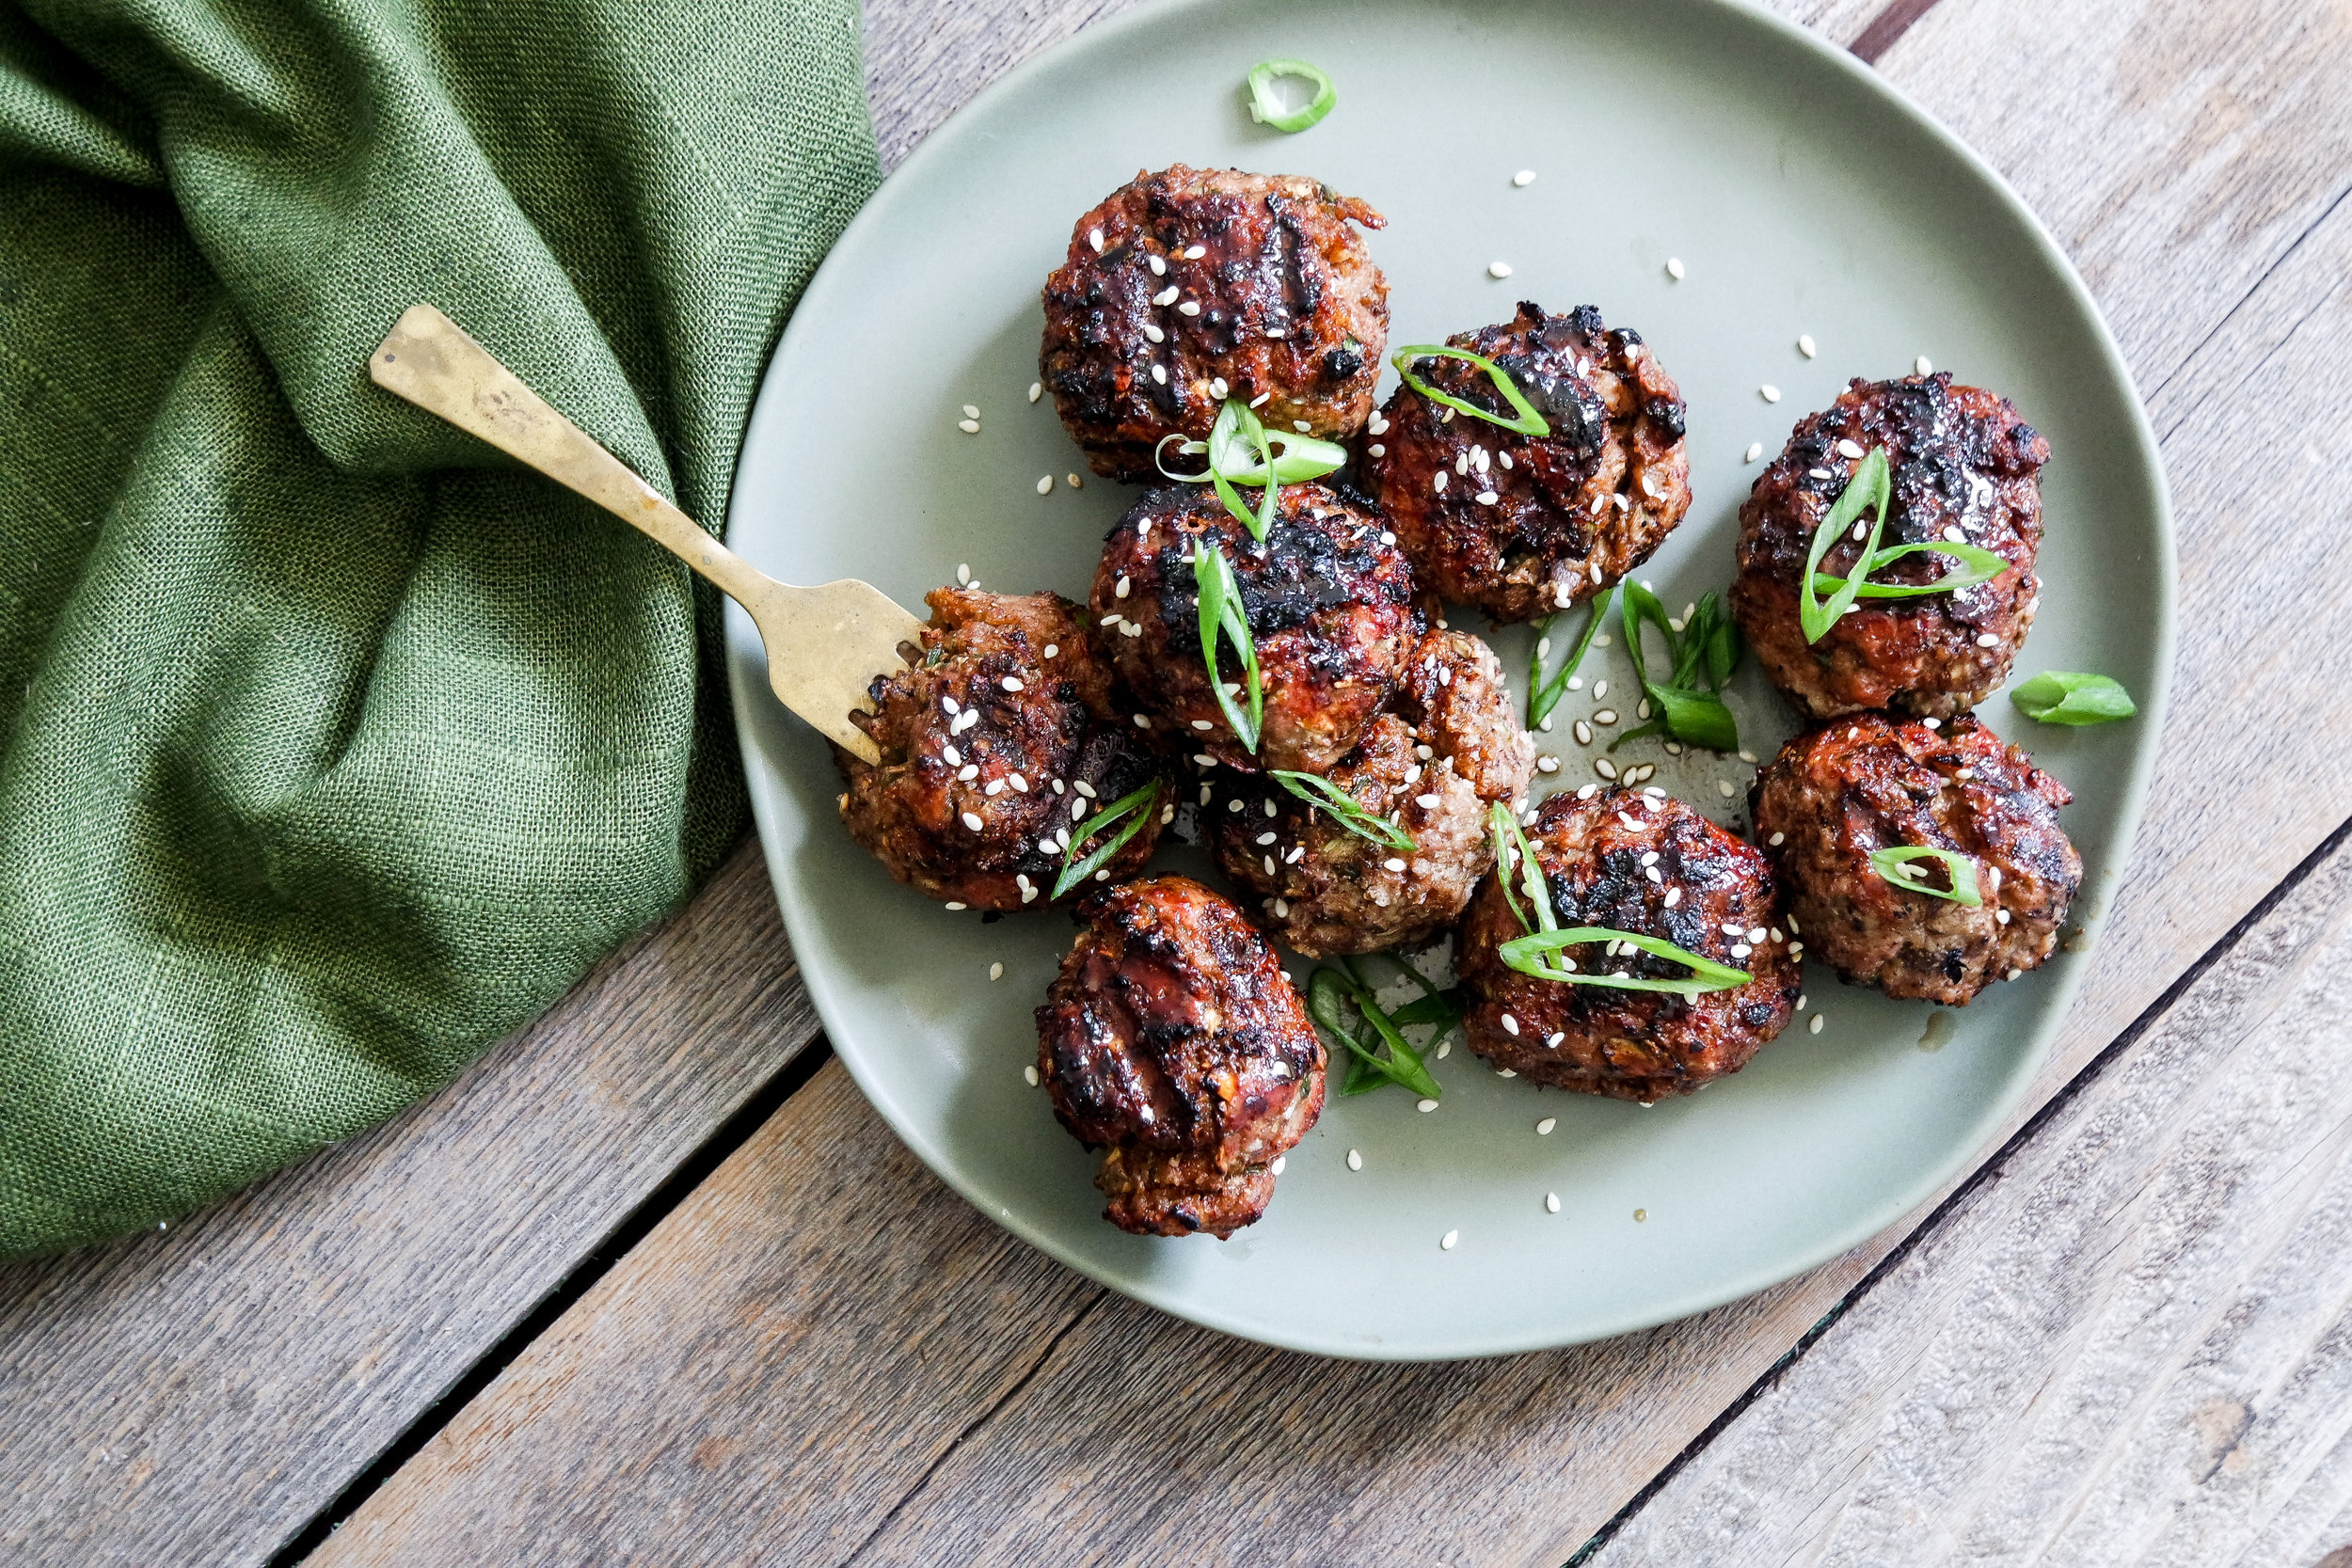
(1530, 422)
(1691, 715)
(1895, 866)
(1267, 110)
(1337, 804)
(1135, 806)
(1222, 615)
(1328, 990)
(1976, 565)
(1536, 954)
(1232, 451)
(1543, 696)
(1503, 826)
(1235, 421)
(2072, 697)
(1871, 489)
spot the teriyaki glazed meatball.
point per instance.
(1171, 1040)
(1523, 525)
(996, 746)
(1190, 286)
(1966, 470)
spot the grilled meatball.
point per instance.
(1450, 747)
(1171, 1039)
(986, 746)
(1330, 609)
(1189, 286)
(1518, 525)
(1701, 887)
(1964, 467)
(1867, 782)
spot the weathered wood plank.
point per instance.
(1134, 1434)
(197, 1396)
(2133, 1346)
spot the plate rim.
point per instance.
(748, 694)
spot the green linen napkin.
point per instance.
(332, 745)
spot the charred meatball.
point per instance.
(1652, 866)
(1190, 286)
(1521, 524)
(1330, 609)
(988, 744)
(1868, 782)
(1964, 469)
(1171, 1039)
(1431, 766)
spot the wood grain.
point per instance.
(197, 1395)
(1149, 1441)
(2132, 1347)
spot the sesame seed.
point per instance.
(1045, 485)
(1426, 802)
(1279, 1161)
(1189, 307)
(1073, 482)
(1816, 1025)
(1674, 268)
(1524, 177)
(1605, 715)
(1299, 853)
(1392, 863)
(1450, 1237)
(1141, 722)
(1029, 1074)
(1159, 374)
(1387, 538)
(1923, 366)
(1282, 912)
(1986, 640)
(1587, 792)
(1931, 723)
(1269, 805)
(1603, 767)
(1013, 683)
(1426, 1105)
(1037, 390)
(2001, 915)
(972, 820)
(1674, 897)
(1378, 450)
(1768, 392)
(1551, 1203)
(1488, 497)
(1600, 688)
(1165, 296)
(1547, 765)
(1094, 238)
(1805, 345)
(970, 427)
(1439, 482)
(1153, 333)
(1378, 424)
(1497, 269)
(1157, 264)
(1654, 876)
(1849, 449)
(1206, 724)
(995, 786)
(1957, 534)
(1723, 788)
(1595, 577)
(1302, 426)
(1355, 1160)
(1194, 253)
(964, 574)
(1018, 783)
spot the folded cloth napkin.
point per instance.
(332, 745)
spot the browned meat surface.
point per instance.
(1192, 285)
(1965, 468)
(1653, 867)
(1330, 606)
(1171, 1039)
(1867, 781)
(1521, 526)
(986, 746)
(1450, 747)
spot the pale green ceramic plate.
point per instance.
(1802, 197)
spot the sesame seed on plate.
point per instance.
(970, 427)
(1551, 1203)
(1497, 269)
(964, 574)
(1723, 788)
(1523, 178)
(1037, 390)
(1755, 450)
(1426, 1105)
(1446, 1241)
(1674, 268)
(1543, 1128)
(1045, 485)
(1923, 366)
(1768, 392)
(996, 971)
(955, 904)
(1603, 767)
(1547, 765)
(1805, 344)
(1029, 1073)
(1815, 1024)
(1355, 1159)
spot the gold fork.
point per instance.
(825, 645)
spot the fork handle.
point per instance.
(429, 359)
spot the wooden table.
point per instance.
(651, 1283)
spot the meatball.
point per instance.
(1450, 747)
(1964, 467)
(1519, 525)
(989, 745)
(1868, 782)
(1330, 609)
(1649, 865)
(1171, 1039)
(1189, 286)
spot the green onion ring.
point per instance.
(1267, 111)
(1888, 864)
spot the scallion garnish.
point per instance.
(1542, 695)
(1329, 991)
(1135, 806)
(1270, 494)
(1896, 866)
(1529, 422)
(1707, 647)
(1503, 826)
(1241, 450)
(1976, 565)
(1539, 955)
(1342, 807)
(2073, 697)
(1267, 110)
(1223, 615)
(1869, 488)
